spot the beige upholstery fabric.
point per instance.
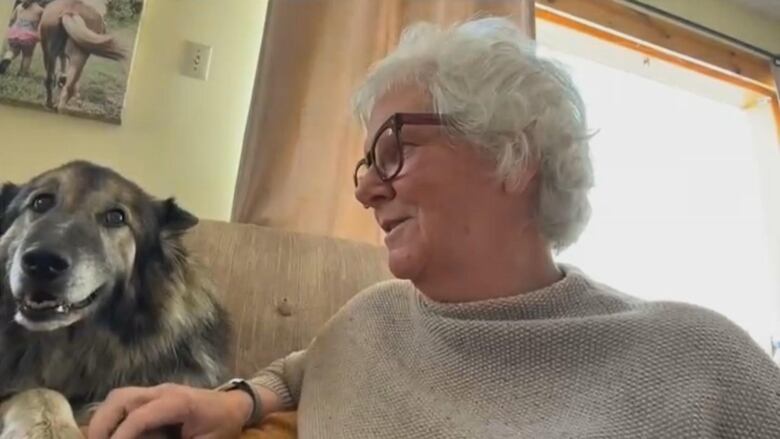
(280, 287)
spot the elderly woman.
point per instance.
(476, 166)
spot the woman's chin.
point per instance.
(404, 263)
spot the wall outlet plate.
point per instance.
(196, 60)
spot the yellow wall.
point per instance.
(179, 136)
(729, 18)
(183, 137)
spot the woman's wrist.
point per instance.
(249, 393)
(242, 404)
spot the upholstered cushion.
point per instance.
(280, 287)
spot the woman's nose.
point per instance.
(371, 190)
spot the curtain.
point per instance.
(302, 142)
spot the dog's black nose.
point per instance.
(44, 265)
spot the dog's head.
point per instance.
(75, 236)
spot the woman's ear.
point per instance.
(518, 181)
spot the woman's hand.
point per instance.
(129, 412)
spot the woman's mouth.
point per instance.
(394, 229)
(390, 225)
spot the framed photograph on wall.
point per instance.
(68, 56)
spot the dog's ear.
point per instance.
(8, 192)
(174, 218)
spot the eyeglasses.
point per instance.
(386, 154)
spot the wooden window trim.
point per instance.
(627, 27)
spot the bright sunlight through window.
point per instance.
(678, 210)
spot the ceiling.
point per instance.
(770, 8)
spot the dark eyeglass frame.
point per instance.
(395, 122)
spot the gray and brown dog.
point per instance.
(96, 292)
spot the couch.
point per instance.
(280, 287)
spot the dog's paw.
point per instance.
(43, 431)
(38, 414)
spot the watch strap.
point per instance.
(243, 385)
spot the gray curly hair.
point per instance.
(498, 94)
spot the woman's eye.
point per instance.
(407, 148)
(114, 218)
(42, 203)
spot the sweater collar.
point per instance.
(562, 298)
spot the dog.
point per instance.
(97, 292)
(71, 31)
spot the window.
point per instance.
(684, 206)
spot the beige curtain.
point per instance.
(301, 141)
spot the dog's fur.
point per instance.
(153, 318)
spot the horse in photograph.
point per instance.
(71, 31)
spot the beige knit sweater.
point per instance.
(573, 360)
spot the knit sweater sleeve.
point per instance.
(284, 377)
(747, 398)
(756, 393)
(750, 401)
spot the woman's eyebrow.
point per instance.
(419, 131)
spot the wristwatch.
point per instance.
(244, 386)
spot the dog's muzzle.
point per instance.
(37, 310)
(44, 266)
(46, 275)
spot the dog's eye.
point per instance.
(114, 218)
(42, 203)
